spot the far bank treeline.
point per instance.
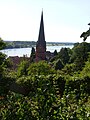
(26, 44)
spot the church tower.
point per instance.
(41, 43)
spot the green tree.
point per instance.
(85, 34)
(86, 70)
(80, 54)
(2, 44)
(40, 68)
(22, 68)
(58, 65)
(55, 53)
(4, 80)
(2, 63)
(2, 57)
(32, 56)
(64, 55)
(69, 69)
(33, 52)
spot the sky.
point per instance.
(64, 20)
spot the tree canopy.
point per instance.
(85, 34)
(56, 90)
(2, 44)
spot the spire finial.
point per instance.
(42, 11)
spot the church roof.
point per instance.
(41, 37)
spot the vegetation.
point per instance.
(64, 55)
(4, 66)
(85, 34)
(32, 56)
(27, 44)
(56, 90)
(19, 44)
(2, 44)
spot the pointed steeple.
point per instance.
(41, 43)
(41, 37)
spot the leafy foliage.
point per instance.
(85, 34)
(22, 68)
(69, 69)
(61, 94)
(64, 55)
(4, 78)
(32, 56)
(43, 102)
(80, 54)
(2, 44)
(40, 68)
(86, 69)
(58, 65)
(32, 52)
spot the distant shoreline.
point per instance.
(27, 51)
(29, 44)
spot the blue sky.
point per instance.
(64, 20)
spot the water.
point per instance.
(27, 51)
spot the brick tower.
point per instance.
(41, 43)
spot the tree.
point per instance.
(33, 52)
(22, 69)
(32, 56)
(55, 53)
(4, 82)
(58, 65)
(2, 57)
(64, 55)
(80, 54)
(2, 44)
(40, 68)
(85, 34)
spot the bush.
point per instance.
(40, 68)
(22, 69)
(58, 65)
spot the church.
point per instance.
(41, 53)
(41, 43)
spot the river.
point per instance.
(27, 51)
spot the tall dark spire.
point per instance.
(41, 43)
(41, 37)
